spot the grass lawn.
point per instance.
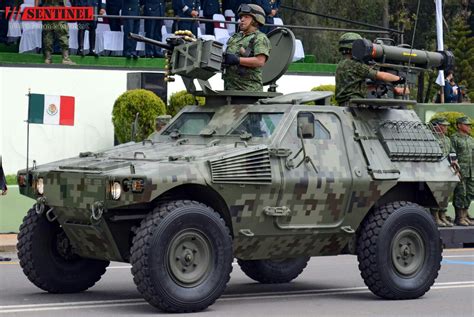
(13, 208)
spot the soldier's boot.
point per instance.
(66, 59)
(443, 218)
(47, 57)
(80, 42)
(438, 221)
(466, 217)
(92, 51)
(459, 220)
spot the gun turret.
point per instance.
(198, 59)
(188, 57)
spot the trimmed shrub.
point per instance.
(327, 88)
(146, 103)
(181, 99)
(451, 116)
(11, 179)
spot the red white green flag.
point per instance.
(48, 109)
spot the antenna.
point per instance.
(411, 46)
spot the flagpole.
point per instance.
(440, 45)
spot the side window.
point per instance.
(311, 128)
(305, 125)
(320, 131)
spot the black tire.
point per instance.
(399, 251)
(182, 256)
(272, 271)
(46, 258)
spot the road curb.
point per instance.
(8, 242)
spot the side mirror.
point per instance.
(305, 125)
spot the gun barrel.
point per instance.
(141, 38)
(365, 50)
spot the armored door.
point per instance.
(317, 178)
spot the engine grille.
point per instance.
(246, 168)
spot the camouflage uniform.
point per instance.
(55, 29)
(239, 77)
(464, 192)
(350, 80)
(439, 214)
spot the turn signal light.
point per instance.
(138, 185)
(21, 180)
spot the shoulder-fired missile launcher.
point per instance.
(260, 177)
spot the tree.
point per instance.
(146, 103)
(460, 41)
(402, 15)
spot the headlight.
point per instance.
(40, 186)
(116, 190)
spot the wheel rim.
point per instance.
(63, 247)
(189, 258)
(408, 252)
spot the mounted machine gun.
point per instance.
(197, 59)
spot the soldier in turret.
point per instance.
(247, 51)
(463, 144)
(352, 74)
(440, 127)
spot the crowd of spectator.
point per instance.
(153, 28)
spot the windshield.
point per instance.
(190, 123)
(258, 124)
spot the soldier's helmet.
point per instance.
(346, 40)
(254, 11)
(464, 120)
(440, 121)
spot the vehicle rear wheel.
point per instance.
(48, 259)
(181, 256)
(274, 271)
(399, 251)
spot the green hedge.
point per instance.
(326, 88)
(127, 105)
(11, 179)
(451, 116)
(182, 98)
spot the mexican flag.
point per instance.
(48, 109)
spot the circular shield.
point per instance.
(281, 54)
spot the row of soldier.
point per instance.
(152, 8)
(182, 9)
(460, 146)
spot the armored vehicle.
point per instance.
(260, 177)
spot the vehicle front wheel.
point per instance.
(181, 256)
(274, 271)
(48, 259)
(399, 251)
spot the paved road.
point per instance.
(330, 286)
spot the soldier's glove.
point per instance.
(231, 59)
(401, 81)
